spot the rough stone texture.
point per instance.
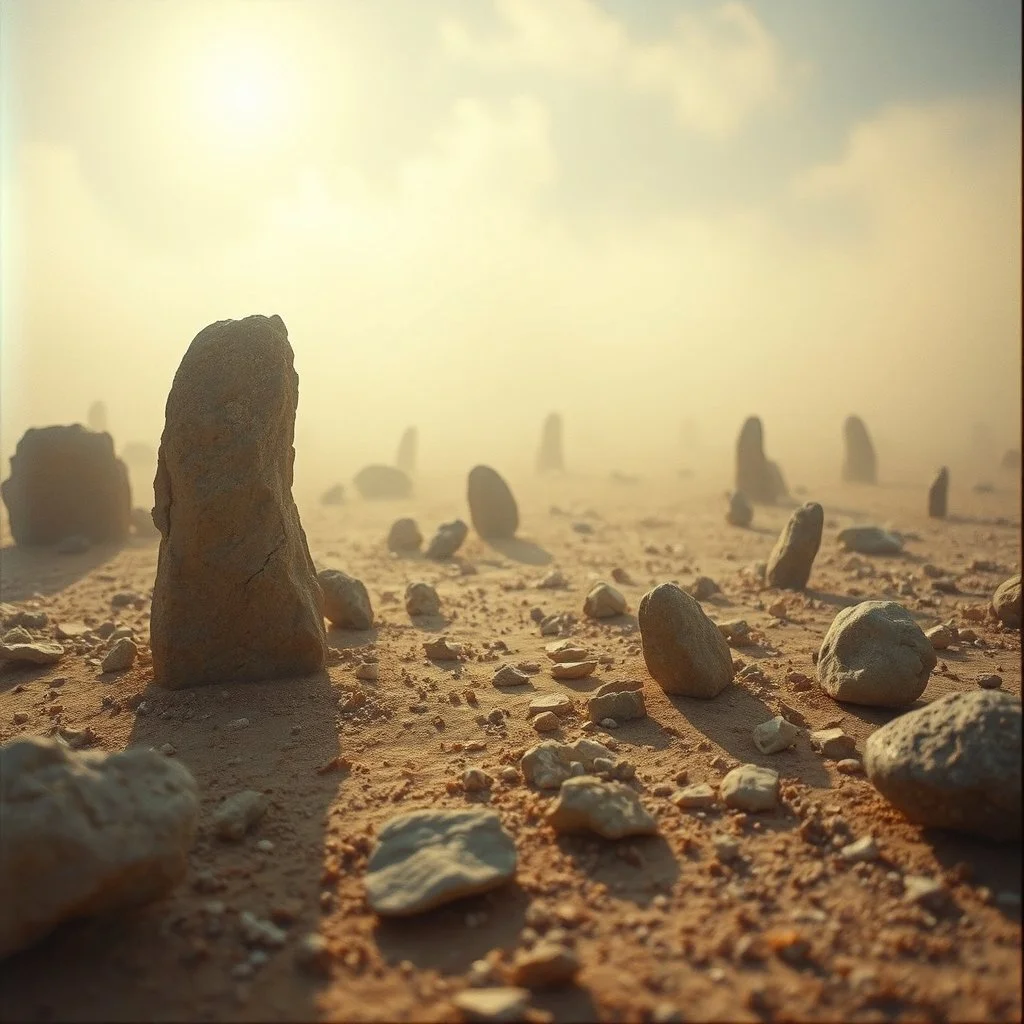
(509, 675)
(31, 652)
(492, 509)
(955, 764)
(86, 833)
(940, 637)
(1006, 602)
(346, 601)
(938, 494)
(334, 495)
(421, 599)
(775, 735)
(683, 649)
(833, 743)
(238, 813)
(698, 796)
(870, 540)
(405, 458)
(621, 706)
(229, 527)
(404, 536)
(789, 565)
(603, 601)
(550, 458)
(448, 539)
(546, 721)
(547, 765)
(65, 481)
(121, 656)
(874, 653)
(859, 462)
(751, 788)
(426, 858)
(611, 809)
(740, 511)
(382, 483)
(755, 478)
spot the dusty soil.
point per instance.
(663, 929)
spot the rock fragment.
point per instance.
(603, 601)
(120, 657)
(775, 735)
(346, 601)
(833, 744)
(238, 813)
(503, 1005)
(36, 652)
(509, 675)
(789, 565)
(940, 637)
(622, 706)
(611, 809)
(698, 796)
(421, 599)
(573, 669)
(546, 965)
(750, 788)
(870, 540)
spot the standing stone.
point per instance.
(382, 483)
(954, 763)
(874, 653)
(740, 512)
(938, 494)
(550, 458)
(229, 527)
(97, 417)
(67, 481)
(1006, 602)
(754, 477)
(86, 833)
(683, 649)
(447, 540)
(346, 601)
(789, 565)
(859, 463)
(405, 460)
(492, 509)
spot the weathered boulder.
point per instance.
(405, 458)
(382, 483)
(550, 458)
(66, 481)
(1006, 602)
(755, 478)
(492, 509)
(859, 462)
(447, 540)
(230, 530)
(422, 599)
(789, 565)
(684, 650)
(334, 495)
(404, 536)
(938, 495)
(870, 540)
(346, 601)
(954, 764)
(87, 833)
(874, 653)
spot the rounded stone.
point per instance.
(404, 535)
(492, 508)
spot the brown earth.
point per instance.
(662, 928)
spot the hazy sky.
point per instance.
(470, 212)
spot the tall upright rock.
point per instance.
(550, 456)
(492, 508)
(408, 446)
(859, 462)
(236, 596)
(938, 495)
(757, 479)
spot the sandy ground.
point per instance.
(663, 929)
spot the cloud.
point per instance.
(718, 68)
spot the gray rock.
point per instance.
(940, 637)
(623, 706)
(611, 809)
(447, 540)
(238, 813)
(751, 788)
(1006, 602)
(938, 494)
(421, 599)
(603, 601)
(870, 540)
(229, 527)
(547, 721)
(859, 462)
(404, 536)
(698, 796)
(424, 859)
(382, 483)
(346, 601)
(683, 649)
(789, 565)
(120, 657)
(87, 833)
(954, 764)
(740, 511)
(34, 653)
(558, 703)
(874, 653)
(492, 509)
(775, 735)
(573, 669)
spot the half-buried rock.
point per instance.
(789, 565)
(870, 540)
(874, 653)
(684, 650)
(859, 463)
(67, 481)
(87, 833)
(346, 602)
(424, 859)
(954, 764)
(492, 509)
(382, 483)
(756, 478)
(236, 596)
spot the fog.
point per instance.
(470, 215)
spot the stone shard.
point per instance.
(66, 481)
(789, 565)
(1006, 602)
(447, 540)
(611, 809)
(86, 833)
(859, 462)
(757, 479)
(492, 508)
(229, 527)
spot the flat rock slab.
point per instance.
(955, 764)
(573, 669)
(870, 540)
(604, 602)
(346, 601)
(36, 653)
(505, 1005)
(548, 764)
(622, 706)
(611, 809)
(424, 859)
(559, 703)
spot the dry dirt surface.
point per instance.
(663, 927)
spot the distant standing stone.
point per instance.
(683, 649)
(424, 859)
(955, 763)
(404, 536)
(550, 458)
(740, 512)
(874, 653)
(382, 483)
(754, 477)
(120, 657)
(859, 462)
(447, 540)
(603, 601)
(1006, 602)
(789, 565)
(346, 601)
(870, 540)
(938, 494)
(492, 509)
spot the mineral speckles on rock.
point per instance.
(1006, 602)
(874, 653)
(238, 813)
(955, 763)
(226, 458)
(789, 565)
(120, 657)
(346, 601)
(427, 858)
(404, 536)
(683, 649)
(611, 809)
